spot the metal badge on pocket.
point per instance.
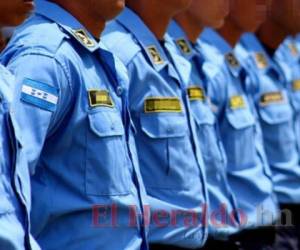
(196, 94)
(237, 102)
(98, 98)
(296, 85)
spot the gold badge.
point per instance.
(261, 60)
(162, 105)
(156, 57)
(296, 85)
(293, 49)
(271, 98)
(83, 37)
(184, 46)
(232, 60)
(98, 98)
(237, 102)
(196, 94)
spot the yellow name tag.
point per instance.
(99, 98)
(162, 104)
(196, 94)
(237, 102)
(296, 85)
(270, 98)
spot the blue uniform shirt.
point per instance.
(219, 191)
(248, 170)
(170, 160)
(287, 57)
(282, 116)
(14, 175)
(276, 117)
(70, 101)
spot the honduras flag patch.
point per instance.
(39, 94)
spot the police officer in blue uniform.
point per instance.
(14, 172)
(169, 153)
(221, 199)
(248, 170)
(70, 101)
(277, 35)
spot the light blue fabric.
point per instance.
(170, 158)
(14, 175)
(248, 170)
(219, 191)
(86, 187)
(278, 119)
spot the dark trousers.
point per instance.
(213, 244)
(166, 247)
(262, 238)
(288, 230)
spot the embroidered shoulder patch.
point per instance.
(39, 94)
(237, 102)
(196, 94)
(271, 98)
(98, 98)
(162, 104)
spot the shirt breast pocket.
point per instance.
(238, 139)
(164, 150)
(107, 164)
(211, 146)
(277, 127)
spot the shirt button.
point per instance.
(112, 127)
(119, 91)
(169, 130)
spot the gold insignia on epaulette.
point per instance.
(271, 98)
(196, 93)
(98, 98)
(154, 53)
(261, 60)
(83, 37)
(237, 102)
(232, 60)
(296, 85)
(184, 46)
(293, 49)
(162, 105)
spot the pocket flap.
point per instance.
(203, 114)
(106, 123)
(276, 114)
(240, 118)
(164, 125)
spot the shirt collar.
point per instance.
(210, 36)
(149, 43)
(67, 22)
(181, 40)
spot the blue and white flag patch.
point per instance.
(39, 94)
